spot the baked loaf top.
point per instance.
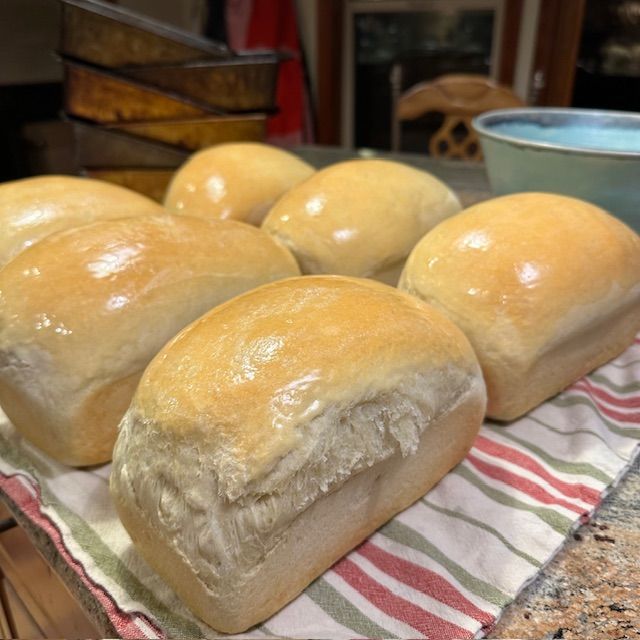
(289, 423)
(240, 181)
(102, 299)
(360, 216)
(247, 380)
(523, 272)
(33, 208)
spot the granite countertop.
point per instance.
(591, 589)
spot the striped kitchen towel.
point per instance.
(444, 568)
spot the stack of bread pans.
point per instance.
(141, 95)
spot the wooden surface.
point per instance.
(36, 602)
(510, 41)
(459, 97)
(19, 621)
(43, 547)
(558, 42)
(5, 629)
(328, 100)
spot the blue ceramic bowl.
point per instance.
(593, 155)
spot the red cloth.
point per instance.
(273, 25)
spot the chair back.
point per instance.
(459, 97)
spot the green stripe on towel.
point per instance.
(410, 538)
(555, 520)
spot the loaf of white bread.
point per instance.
(83, 312)
(546, 288)
(33, 208)
(276, 432)
(238, 181)
(360, 217)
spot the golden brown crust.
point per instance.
(522, 275)
(238, 181)
(86, 308)
(289, 423)
(34, 208)
(297, 346)
(359, 217)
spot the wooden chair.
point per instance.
(459, 97)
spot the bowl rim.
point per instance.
(479, 124)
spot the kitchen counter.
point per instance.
(467, 179)
(590, 589)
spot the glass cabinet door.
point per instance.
(392, 45)
(608, 69)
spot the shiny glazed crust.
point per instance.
(359, 217)
(34, 208)
(83, 311)
(545, 287)
(275, 441)
(238, 181)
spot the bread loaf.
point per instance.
(238, 181)
(276, 432)
(83, 312)
(545, 287)
(360, 217)
(33, 208)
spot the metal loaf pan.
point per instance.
(243, 83)
(112, 36)
(150, 182)
(105, 97)
(97, 146)
(194, 134)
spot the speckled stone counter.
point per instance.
(591, 589)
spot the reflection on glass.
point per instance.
(608, 70)
(381, 37)
(420, 45)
